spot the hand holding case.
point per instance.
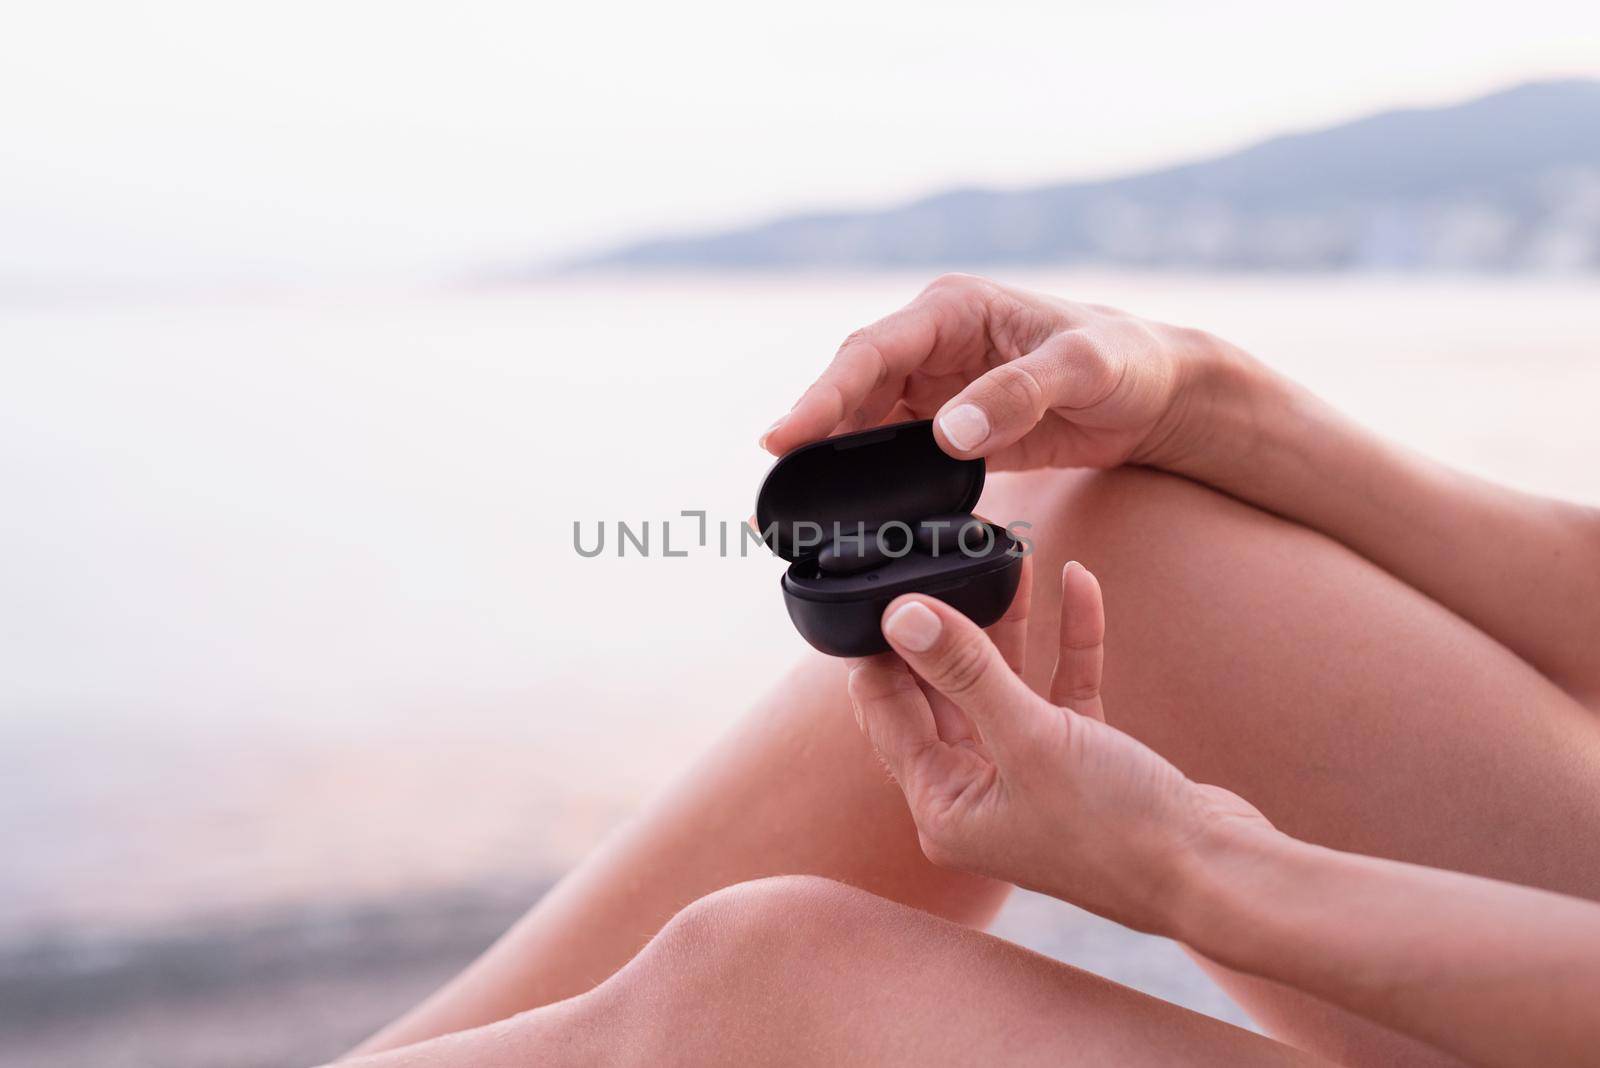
(872, 484)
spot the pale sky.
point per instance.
(211, 140)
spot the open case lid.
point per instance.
(871, 477)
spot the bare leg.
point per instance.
(1352, 710)
(803, 970)
(1253, 653)
(794, 790)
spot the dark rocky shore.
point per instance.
(295, 987)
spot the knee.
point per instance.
(782, 923)
(748, 960)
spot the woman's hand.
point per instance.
(1023, 379)
(1004, 783)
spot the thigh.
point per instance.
(1352, 710)
(809, 971)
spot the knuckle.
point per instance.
(871, 683)
(919, 749)
(1017, 388)
(960, 290)
(1082, 691)
(963, 668)
(868, 684)
(1104, 362)
(856, 338)
(1087, 348)
(858, 353)
(1141, 334)
(1094, 363)
(950, 281)
(1083, 635)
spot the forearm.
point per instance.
(1524, 569)
(1494, 973)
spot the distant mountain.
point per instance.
(1510, 181)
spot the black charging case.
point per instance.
(876, 481)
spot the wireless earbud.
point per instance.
(849, 555)
(947, 535)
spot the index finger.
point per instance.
(868, 359)
(894, 713)
(946, 325)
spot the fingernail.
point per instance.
(765, 434)
(914, 625)
(965, 425)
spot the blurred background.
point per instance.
(322, 324)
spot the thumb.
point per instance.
(954, 656)
(1070, 370)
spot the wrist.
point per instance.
(1223, 411)
(1232, 862)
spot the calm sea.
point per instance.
(289, 604)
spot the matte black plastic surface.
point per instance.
(859, 482)
(891, 472)
(852, 625)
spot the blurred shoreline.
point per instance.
(274, 987)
